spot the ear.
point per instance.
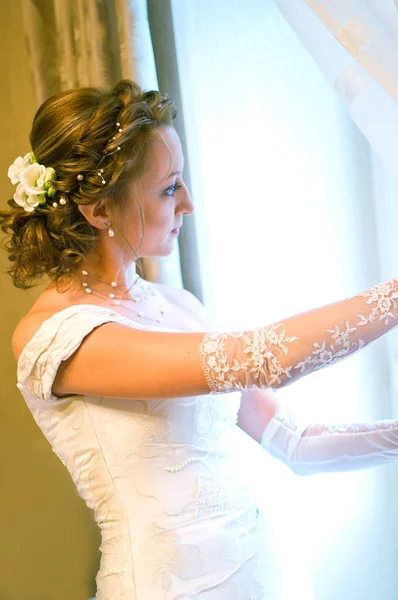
(96, 214)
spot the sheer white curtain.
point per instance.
(355, 43)
(285, 188)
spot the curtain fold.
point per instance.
(355, 44)
(92, 43)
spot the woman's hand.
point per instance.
(308, 449)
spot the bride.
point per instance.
(135, 391)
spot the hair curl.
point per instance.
(75, 132)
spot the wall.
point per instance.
(49, 541)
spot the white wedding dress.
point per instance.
(162, 478)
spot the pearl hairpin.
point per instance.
(62, 200)
(100, 175)
(100, 172)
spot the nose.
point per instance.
(186, 205)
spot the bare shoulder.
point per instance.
(101, 364)
(49, 303)
(27, 328)
(46, 305)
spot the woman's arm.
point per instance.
(101, 355)
(308, 449)
(312, 448)
(257, 408)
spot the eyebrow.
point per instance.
(175, 173)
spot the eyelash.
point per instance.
(172, 188)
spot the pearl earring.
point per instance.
(111, 233)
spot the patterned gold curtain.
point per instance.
(49, 543)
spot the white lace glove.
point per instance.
(273, 356)
(310, 449)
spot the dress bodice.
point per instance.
(160, 475)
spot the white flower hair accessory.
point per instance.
(34, 182)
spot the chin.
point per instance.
(161, 251)
(168, 249)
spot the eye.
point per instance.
(170, 191)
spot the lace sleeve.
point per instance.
(281, 353)
(321, 448)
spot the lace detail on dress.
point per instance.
(213, 496)
(214, 415)
(146, 436)
(161, 554)
(273, 355)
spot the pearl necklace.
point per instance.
(114, 300)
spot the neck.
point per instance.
(109, 268)
(103, 271)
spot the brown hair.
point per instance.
(75, 132)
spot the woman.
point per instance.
(125, 378)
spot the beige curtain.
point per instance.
(49, 543)
(355, 43)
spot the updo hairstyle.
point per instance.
(75, 132)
